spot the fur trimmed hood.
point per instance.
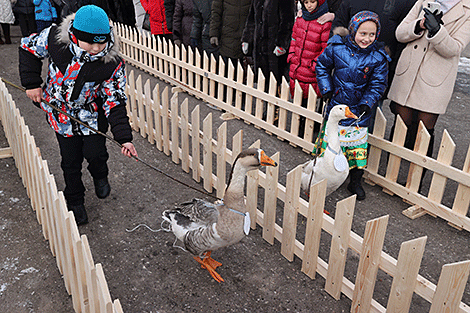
(65, 35)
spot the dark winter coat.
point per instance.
(269, 24)
(359, 77)
(122, 11)
(155, 8)
(183, 21)
(169, 12)
(24, 7)
(309, 39)
(228, 20)
(89, 87)
(201, 24)
(391, 13)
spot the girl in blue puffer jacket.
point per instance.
(353, 70)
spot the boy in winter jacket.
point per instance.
(86, 79)
(309, 39)
(353, 70)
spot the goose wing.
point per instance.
(199, 211)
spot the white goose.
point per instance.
(203, 226)
(325, 168)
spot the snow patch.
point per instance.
(14, 200)
(29, 270)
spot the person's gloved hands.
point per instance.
(193, 42)
(327, 96)
(365, 109)
(432, 22)
(215, 41)
(278, 51)
(245, 47)
(177, 42)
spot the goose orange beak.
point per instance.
(266, 161)
(350, 114)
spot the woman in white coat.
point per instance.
(6, 18)
(427, 69)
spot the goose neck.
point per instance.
(234, 194)
(331, 133)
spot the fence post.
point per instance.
(165, 122)
(393, 166)
(270, 200)
(462, 197)
(314, 217)
(421, 146)
(369, 262)
(285, 90)
(221, 159)
(406, 274)
(291, 204)
(148, 112)
(339, 246)
(445, 156)
(174, 129)
(207, 152)
(185, 136)
(450, 288)
(157, 117)
(140, 106)
(196, 149)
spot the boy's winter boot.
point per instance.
(102, 187)
(79, 212)
(354, 186)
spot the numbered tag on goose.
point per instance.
(247, 224)
(340, 162)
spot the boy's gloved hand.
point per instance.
(245, 47)
(327, 96)
(215, 41)
(278, 51)
(432, 22)
(365, 109)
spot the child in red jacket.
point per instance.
(309, 39)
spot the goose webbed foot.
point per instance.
(210, 265)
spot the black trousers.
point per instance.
(27, 24)
(73, 150)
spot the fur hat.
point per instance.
(360, 18)
(91, 24)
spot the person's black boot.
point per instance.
(79, 212)
(354, 186)
(102, 187)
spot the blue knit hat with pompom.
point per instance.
(91, 24)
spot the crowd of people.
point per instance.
(353, 52)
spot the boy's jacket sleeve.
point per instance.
(31, 52)
(114, 105)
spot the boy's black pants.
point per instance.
(73, 150)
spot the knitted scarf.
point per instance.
(310, 16)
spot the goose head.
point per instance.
(248, 160)
(252, 159)
(340, 112)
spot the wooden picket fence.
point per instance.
(236, 92)
(177, 132)
(84, 280)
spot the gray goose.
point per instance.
(203, 226)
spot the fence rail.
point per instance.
(154, 108)
(237, 92)
(84, 280)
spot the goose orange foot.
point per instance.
(210, 265)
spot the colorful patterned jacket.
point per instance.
(91, 88)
